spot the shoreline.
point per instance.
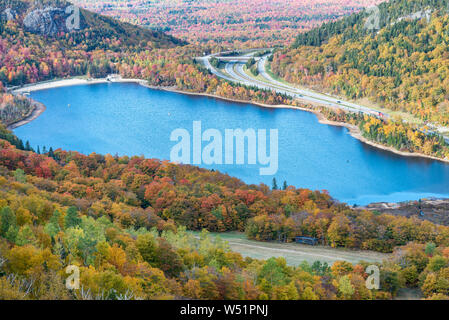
(52, 84)
(40, 108)
(355, 133)
(36, 111)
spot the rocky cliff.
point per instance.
(51, 17)
(49, 21)
(44, 18)
(9, 14)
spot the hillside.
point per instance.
(44, 40)
(122, 222)
(48, 17)
(402, 64)
(229, 23)
(35, 45)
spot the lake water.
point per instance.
(128, 119)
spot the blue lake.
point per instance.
(128, 119)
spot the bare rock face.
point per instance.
(48, 21)
(9, 14)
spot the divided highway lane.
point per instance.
(261, 66)
(206, 62)
(211, 68)
(236, 70)
(236, 73)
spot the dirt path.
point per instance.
(294, 253)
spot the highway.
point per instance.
(206, 63)
(236, 73)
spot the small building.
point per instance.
(113, 77)
(307, 240)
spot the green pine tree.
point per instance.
(72, 218)
(7, 220)
(20, 176)
(275, 184)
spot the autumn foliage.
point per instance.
(122, 221)
(402, 67)
(233, 24)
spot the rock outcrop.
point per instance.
(9, 15)
(433, 210)
(48, 21)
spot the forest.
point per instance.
(93, 52)
(223, 24)
(399, 135)
(124, 222)
(12, 107)
(401, 67)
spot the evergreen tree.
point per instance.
(20, 176)
(25, 236)
(275, 184)
(20, 145)
(11, 234)
(72, 218)
(51, 153)
(7, 220)
(53, 227)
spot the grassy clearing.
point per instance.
(294, 253)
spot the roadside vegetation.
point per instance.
(402, 67)
(399, 135)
